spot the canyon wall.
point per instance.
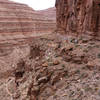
(49, 13)
(78, 16)
(20, 20)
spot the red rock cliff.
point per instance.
(77, 16)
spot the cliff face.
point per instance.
(49, 13)
(19, 19)
(78, 16)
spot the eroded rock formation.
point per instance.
(20, 20)
(78, 16)
(50, 66)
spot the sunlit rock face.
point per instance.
(78, 16)
(19, 19)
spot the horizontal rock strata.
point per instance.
(19, 19)
(49, 13)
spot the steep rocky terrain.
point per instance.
(78, 16)
(49, 68)
(19, 20)
(53, 66)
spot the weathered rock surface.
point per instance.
(78, 16)
(49, 68)
(18, 20)
(49, 13)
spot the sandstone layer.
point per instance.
(78, 16)
(49, 13)
(18, 20)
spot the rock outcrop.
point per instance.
(49, 68)
(20, 20)
(78, 16)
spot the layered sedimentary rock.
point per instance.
(49, 13)
(20, 19)
(78, 16)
